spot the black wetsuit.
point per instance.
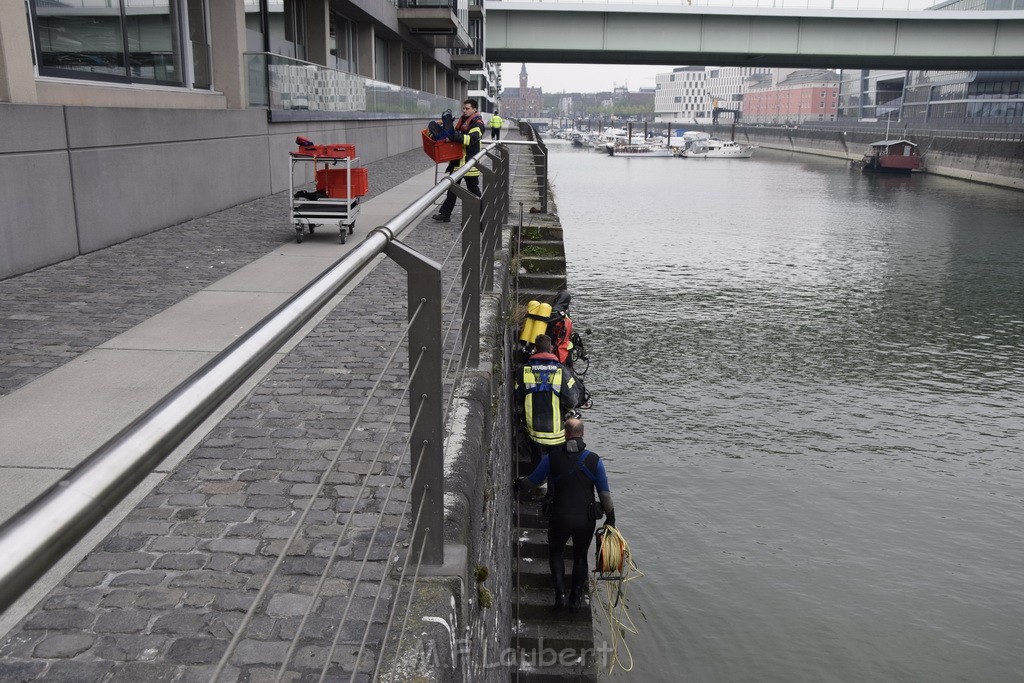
(573, 492)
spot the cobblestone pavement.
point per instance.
(161, 597)
(50, 316)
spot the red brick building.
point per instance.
(804, 95)
(523, 101)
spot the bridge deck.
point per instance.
(662, 34)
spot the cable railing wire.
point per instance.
(455, 382)
(412, 592)
(342, 534)
(246, 620)
(456, 243)
(401, 579)
(359, 575)
(373, 609)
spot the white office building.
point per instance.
(682, 96)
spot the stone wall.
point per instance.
(471, 594)
(992, 161)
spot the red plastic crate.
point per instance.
(334, 182)
(441, 151)
(327, 151)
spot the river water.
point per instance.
(809, 391)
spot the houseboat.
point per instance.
(891, 156)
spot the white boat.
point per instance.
(637, 150)
(713, 148)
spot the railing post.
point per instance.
(470, 300)
(506, 173)
(489, 224)
(426, 397)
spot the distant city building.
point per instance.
(800, 96)
(937, 98)
(682, 96)
(524, 101)
(727, 85)
(485, 86)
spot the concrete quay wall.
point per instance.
(995, 162)
(77, 179)
(474, 600)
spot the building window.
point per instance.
(287, 23)
(382, 58)
(107, 42)
(343, 43)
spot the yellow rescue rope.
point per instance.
(615, 568)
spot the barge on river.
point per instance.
(891, 156)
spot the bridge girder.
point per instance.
(657, 34)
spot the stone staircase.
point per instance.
(551, 645)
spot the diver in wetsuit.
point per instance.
(574, 474)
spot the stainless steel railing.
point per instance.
(38, 535)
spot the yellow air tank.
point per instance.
(524, 336)
(540, 323)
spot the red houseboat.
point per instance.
(891, 156)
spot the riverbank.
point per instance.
(991, 161)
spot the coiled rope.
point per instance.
(615, 568)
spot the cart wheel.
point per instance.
(352, 227)
(341, 236)
(312, 226)
(298, 237)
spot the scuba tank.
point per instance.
(536, 322)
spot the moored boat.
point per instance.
(713, 148)
(637, 150)
(891, 156)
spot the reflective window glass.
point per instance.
(88, 40)
(122, 40)
(153, 47)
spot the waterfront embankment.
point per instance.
(998, 160)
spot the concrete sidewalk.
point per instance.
(52, 423)
(54, 418)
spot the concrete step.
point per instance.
(555, 674)
(549, 282)
(536, 606)
(557, 636)
(542, 265)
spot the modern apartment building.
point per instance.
(682, 96)
(727, 85)
(138, 114)
(988, 99)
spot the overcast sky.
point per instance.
(554, 78)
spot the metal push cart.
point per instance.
(336, 197)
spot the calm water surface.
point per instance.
(809, 388)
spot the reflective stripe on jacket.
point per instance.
(546, 388)
(472, 130)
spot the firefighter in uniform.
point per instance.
(546, 390)
(469, 129)
(496, 123)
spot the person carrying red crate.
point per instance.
(469, 129)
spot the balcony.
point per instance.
(440, 23)
(293, 90)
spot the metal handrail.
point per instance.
(40, 533)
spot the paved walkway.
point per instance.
(161, 595)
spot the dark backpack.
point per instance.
(448, 123)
